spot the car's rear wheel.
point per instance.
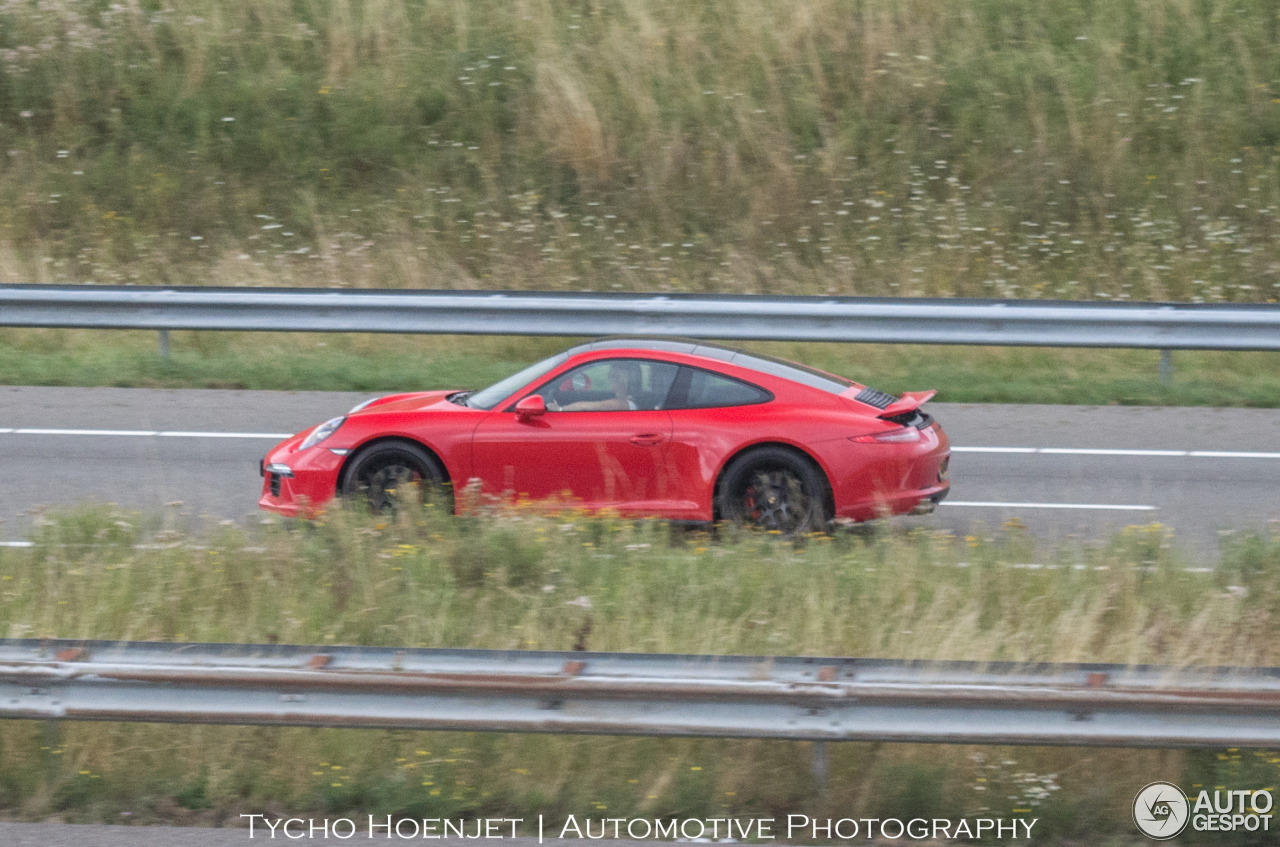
(774, 489)
(383, 473)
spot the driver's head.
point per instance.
(624, 377)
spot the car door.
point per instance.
(599, 457)
(711, 414)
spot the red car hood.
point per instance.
(411, 402)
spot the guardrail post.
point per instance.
(51, 744)
(164, 344)
(1166, 366)
(821, 766)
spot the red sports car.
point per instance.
(673, 429)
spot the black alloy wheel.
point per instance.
(381, 474)
(776, 490)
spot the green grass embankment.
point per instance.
(966, 147)
(302, 362)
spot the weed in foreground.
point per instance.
(520, 578)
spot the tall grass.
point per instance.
(517, 579)
(948, 147)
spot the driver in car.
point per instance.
(624, 380)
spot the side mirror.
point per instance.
(531, 407)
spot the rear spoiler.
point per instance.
(908, 402)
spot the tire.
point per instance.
(774, 489)
(378, 472)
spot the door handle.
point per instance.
(645, 439)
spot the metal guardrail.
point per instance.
(818, 699)
(1036, 323)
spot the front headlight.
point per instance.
(322, 432)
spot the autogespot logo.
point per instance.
(1161, 810)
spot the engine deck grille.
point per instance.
(872, 397)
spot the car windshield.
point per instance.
(499, 391)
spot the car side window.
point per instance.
(699, 389)
(611, 385)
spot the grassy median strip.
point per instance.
(515, 578)
(339, 362)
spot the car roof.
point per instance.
(758, 362)
(666, 345)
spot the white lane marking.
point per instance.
(275, 435)
(16, 544)
(1103, 451)
(149, 432)
(1113, 507)
(84, 432)
(1223, 454)
(994, 449)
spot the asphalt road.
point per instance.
(1049, 466)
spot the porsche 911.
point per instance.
(682, 430)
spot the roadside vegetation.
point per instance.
(300, 361)
(945, 147)
(517, 578)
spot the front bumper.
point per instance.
(297, 483)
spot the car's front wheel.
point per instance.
(774, 489)
(381, 474)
